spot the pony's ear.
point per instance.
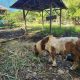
(43, 42)
(36, 51)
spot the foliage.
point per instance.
(73, 8)
(56, 30)
(16, 18)
(33, 16)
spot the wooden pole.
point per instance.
(42, 21)
(50, 18)
(60, 17)
(24, 16)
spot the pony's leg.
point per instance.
(36, 51)
(63, 54)
(53, 56)
(54, 62)
(75, 63)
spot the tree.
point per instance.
(73, 11)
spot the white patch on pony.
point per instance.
(68, 39)
(59, 44)
(63, 40)
(54, 63)
(50, 59)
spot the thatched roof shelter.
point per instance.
(39, 5)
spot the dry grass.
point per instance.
(18, 62)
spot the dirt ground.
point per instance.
(18, 62)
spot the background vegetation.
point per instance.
(71, 15)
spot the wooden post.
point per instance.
(60, 17)
(24, 16)
(50, 18)
(42, 21)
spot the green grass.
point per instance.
(71, 30)
(35, 27)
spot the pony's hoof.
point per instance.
(54, 64)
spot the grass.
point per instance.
(44, 30)
(14, 56)
(17, 62)
(71, 30)
(17, 58)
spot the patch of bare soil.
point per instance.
(8, 34)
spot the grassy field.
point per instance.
(65, 30)
(18, 62)
(69, 30)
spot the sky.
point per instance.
(7, 4)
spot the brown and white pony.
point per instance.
(75, 49)
(61, 45)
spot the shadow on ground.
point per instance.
(57, 32)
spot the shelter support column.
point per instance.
(60, 16)
(50, 18)
(42, 21)
(24, 16)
